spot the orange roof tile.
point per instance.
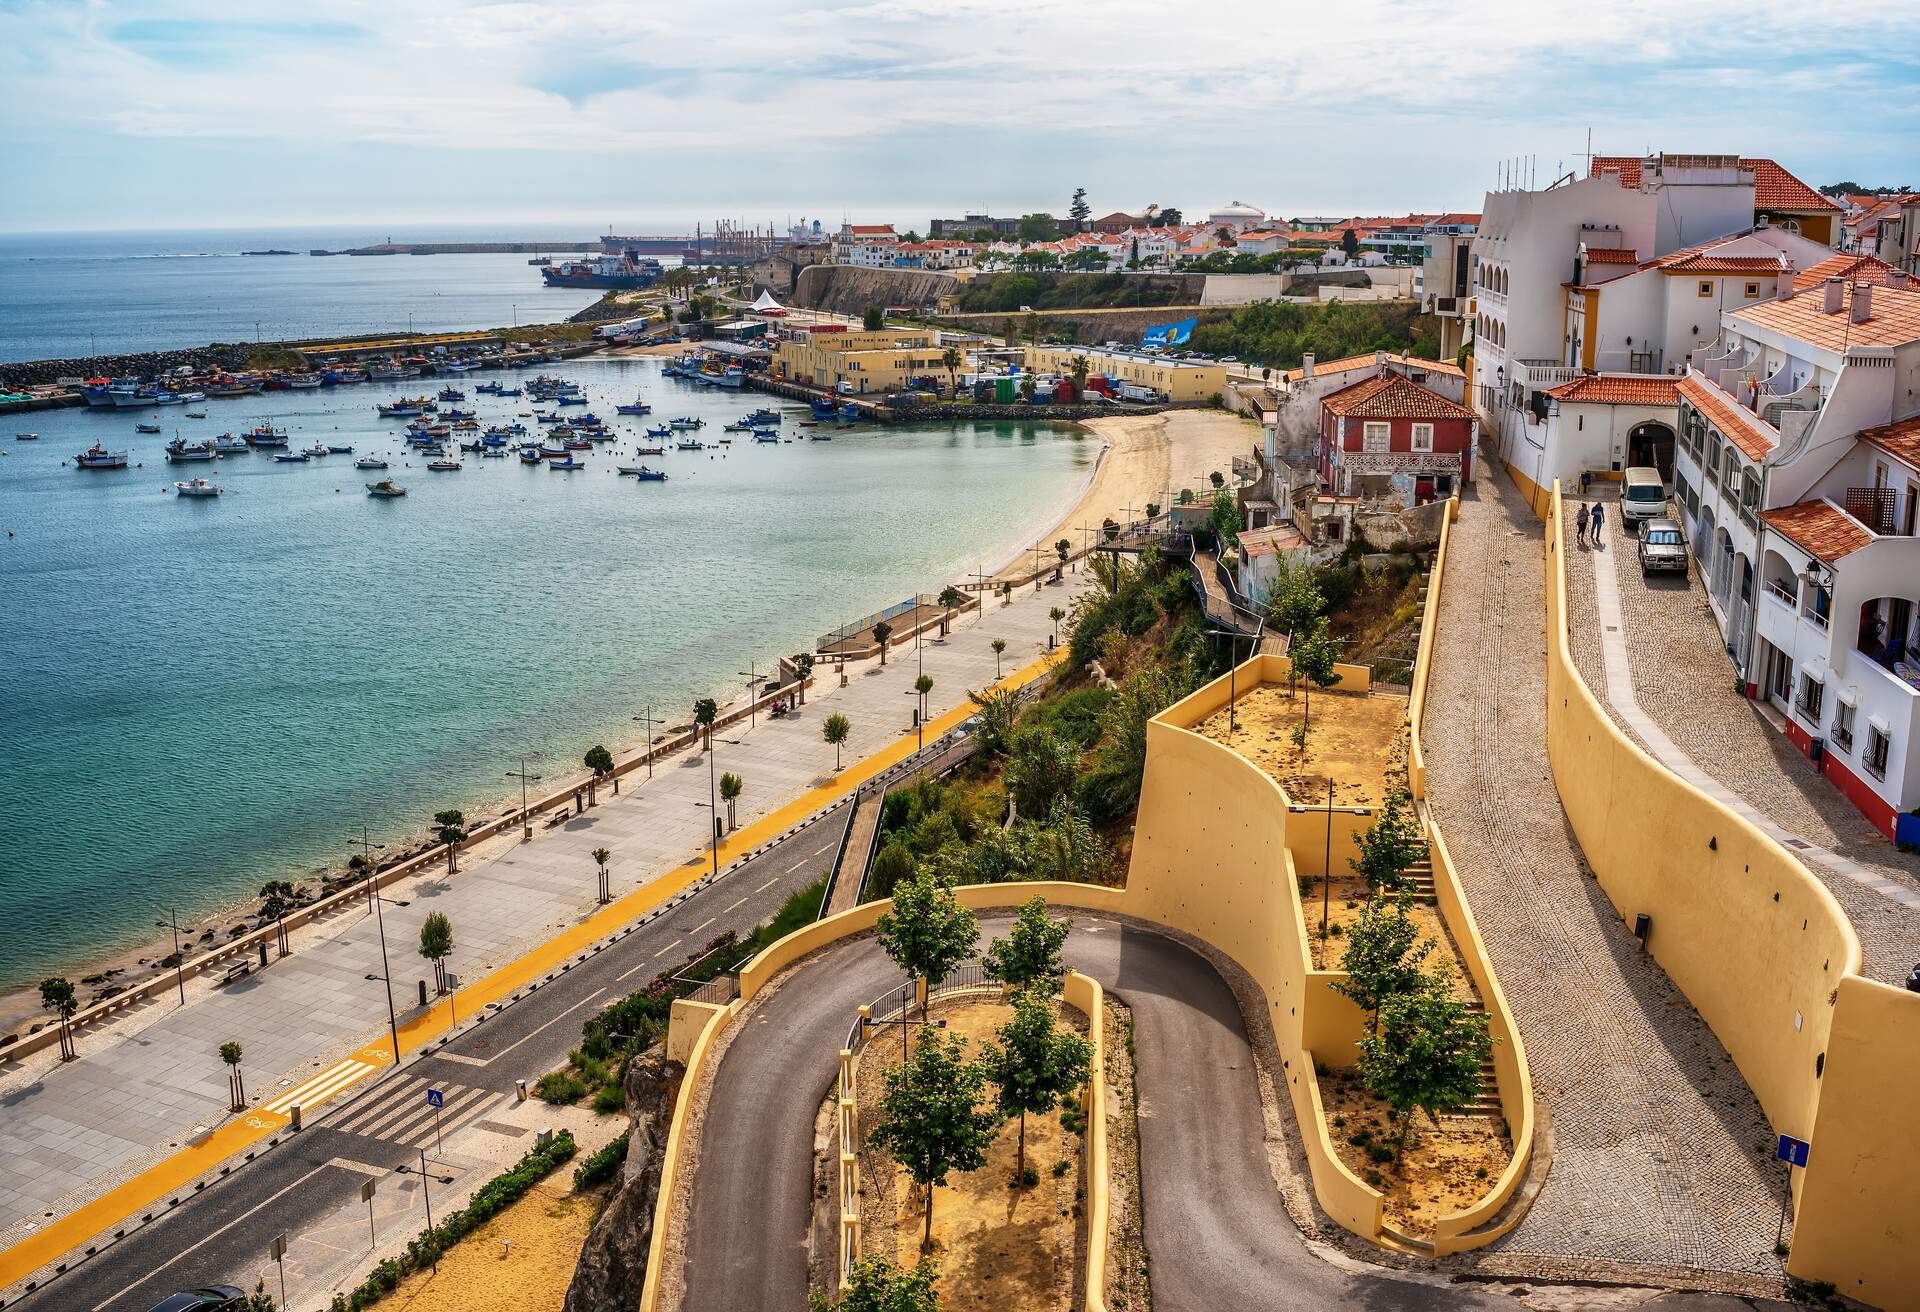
(1894, 319)
(1603, 390)
(1819, 527)
(1346, 363)
(1710, 263)
(1773, 187)
(1392, 396)
(1740, 426)
(1611, 255)
(1901, 440)
(1860, 268)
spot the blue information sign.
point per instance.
(435, 1098)
(1792, 1151)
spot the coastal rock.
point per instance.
(613, 1264)
(146, 364)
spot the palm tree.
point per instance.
(1079, 369)
(57, 996)
(952, 359)
(999, 649)
(705, 712)
(600, 761)
(236, 1082)
(451, 827)
(730, 786)
(881, 632)
(835, 731)
(1056, 615)
(600, 857)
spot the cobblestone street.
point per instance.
(1660, 1154)
(1684, 682)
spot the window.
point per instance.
(1753, 290)
(1843, 727)
(1423, 437)
(1812, 694)
(1819, 604)
(1706, 289)
(1878, 746)
(1375, 436)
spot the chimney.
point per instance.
(1862, 302)
(1306, 366)
(1784, 287)
(1899, 279)
(1379, 362)
(1836, 296)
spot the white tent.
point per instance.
(768, 306)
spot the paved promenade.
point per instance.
(149, 1091)
(1649, 648)
(1660, 1154)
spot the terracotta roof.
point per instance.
(1901, 440)
(1362, 361)
(1611, 255)
(1391, 396)
(1710, 263)
(1602, 390)
(1819, 527)
(874, 228)
(1894, 320)
(1740, 426)
(1773, 187)
(1860, 268)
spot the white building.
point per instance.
(1797, 474)
(867, 246)
(1239, 215)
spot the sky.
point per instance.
(572, 117)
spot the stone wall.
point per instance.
(143, 365)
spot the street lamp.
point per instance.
(752, 675)
(386, 977)
(526, 821)
(367, 848)
(649, 721)
(179, 976)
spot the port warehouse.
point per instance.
(1176, 380)
(893, 360)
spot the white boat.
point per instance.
(146, 428)
(228, 445)
(368, 462)
(98, 457)
(196, 414)
(179, 451)
(191, 397)
(26, 437)
(386, 487)
(198, 487)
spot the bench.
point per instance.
(238, 971)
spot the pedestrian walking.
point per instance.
(1580, 525)
(1586, 481)
(1599, 518)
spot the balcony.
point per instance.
(1873, 507)
(1492, 297)
(1542, 374)
(1783, 594)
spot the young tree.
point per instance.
(1296, 600)
(57, 996)
(873, 318)
(835, 730)
(730, 787)
(928, 932)
(1077, 209)
(875, 1284)
(436, 945)
(1390, 846)
(1028, 958)
(951, 360)
(1313, 654)
(933, 1120)
(951, 599)
(1056, 615)
(1036, 1064)
(1384, 956)
(999, 650)
(600, 761)
(1062, 548)
(893, 865)
(600, 857)
(999, 712)
(236, 1082)
(276, 899)
(1006, 594)
(923, 685)
(705, 711)
(1426, 1054)
(1217, 479)
(1226, 518)
(881, 632)
(450, 827)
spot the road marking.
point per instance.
(456, 1057)
(742, 902)
(703, 924)
(209, 1238)
(650, 960)
(797, 864)
(530, 1033)
(320, 1087)
(769, 884)
(377, 1107)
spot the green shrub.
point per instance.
(609, 1098)
(1028, 1178)
(600, 1165)
(1061, 1167)
(559, 1088)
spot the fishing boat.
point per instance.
(401, 408)
(196, 414)
(26, 437)
(167, 398)
(292, 458)
(578, 444)
(98, 457)
(234, 387)
(849, 413)
(634, 407)
(146, 428)
(198, 487)
(570, 398)
(179, 451)
(434, 450)
(228, 445)
(266, 435)
(766, 437)
(339, 450)
(649, 450)
(685, 423)
(193, 398)
(369, 462)
(493, 453)
(665, 430)
(646, 475)
(764, 416)
(552, 451)
(820, 437)
(823, 407)
(689, 444)
(507, 391)
(443, 466)
(568, 465)
(452, 394)
(318, 450)
(303, 382)
(733, 377)
(738, 426)
(453, 412)
(530, 455)
(386, 487)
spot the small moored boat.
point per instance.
(146, 428)
(568, 465)
(386, 487)
(443, 466)
(198, 487)
(368, 462)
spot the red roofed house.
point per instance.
(1778, 197)
(1390, 438)
(869, 246)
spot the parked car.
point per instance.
(1662, 548)
(212, 1298)
(1643, 496)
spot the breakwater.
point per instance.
(140, 364)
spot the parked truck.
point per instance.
(1134, 392)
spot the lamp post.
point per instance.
(526, 821)
(386, 977)
(179, 975)
(367, 848)
(752, 675)
(649, 721)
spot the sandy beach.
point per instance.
(1146, 456)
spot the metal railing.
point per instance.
(866, 622)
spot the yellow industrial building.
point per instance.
(1177, 380)
(883, 361)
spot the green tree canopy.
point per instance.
(1029, 956)
(927, 932)
(1035, 1064)
(599, 760)
(1384, 955)
(875, 1284)
(933, 1119)
(436, 944)
(1226, 518)
(999, 712)
(230, 1053)
(1038, 227)
(873, 318)
(1043, 769)
(1296, 600)
(1390, 846)
(1077, 209)
(835, 729)
(1426, 1054)
(893, 865)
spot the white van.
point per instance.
(1642, 495)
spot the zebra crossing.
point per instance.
(400, 1114)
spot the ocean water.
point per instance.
(81, 294)
(201, 694)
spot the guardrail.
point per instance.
(866, 622)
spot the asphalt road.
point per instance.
(1217, 1232)
(222, 1234)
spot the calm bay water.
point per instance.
(201, 694)
(70, 295)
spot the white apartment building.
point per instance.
(1797, 473)
(868, 246)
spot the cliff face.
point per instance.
(842, 289)
(613, 1264)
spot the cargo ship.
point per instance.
(627, 269)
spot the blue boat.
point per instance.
(569, 400)
(566, 466)
(646, 475)
(662, 431)
(764, 416)
(766, 435)
(823, 408)
(820, 437)
(849, 413)
(529, 455)
(292, 457)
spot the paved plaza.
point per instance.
(1659, 1153)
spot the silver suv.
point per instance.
(1662, 548)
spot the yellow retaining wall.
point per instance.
(697, 1035)
(1423, 658)
(1766, 956)
(1086, 994)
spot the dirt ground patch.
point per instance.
(1357, 740)
(1442, 1170)
(1346, 899)
(998, 1247)
(522, 1258)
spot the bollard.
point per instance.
(294, 1111)
(520, 1090)
(542, 1139)
(263, 955)
(423, 993)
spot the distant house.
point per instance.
(1391, 439)
(1116, 222)
(867, 246)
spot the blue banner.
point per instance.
(1169, 334)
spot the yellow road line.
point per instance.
(180, 1169)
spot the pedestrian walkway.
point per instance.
(1659, 1155)
(1652, 643)
(148, 1095)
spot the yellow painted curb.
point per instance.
(183, 1167)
